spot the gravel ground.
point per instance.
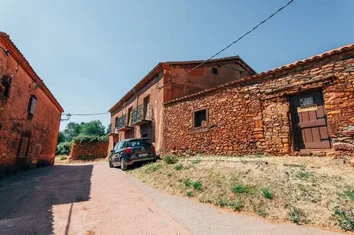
(94, 199)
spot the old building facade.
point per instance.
(306, 107)
(140, 112)
(29, 113)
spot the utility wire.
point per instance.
(84, 114)
(228, 46)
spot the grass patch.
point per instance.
(350, 194)
(170, 159)
(345, 219)
(196, 161)
(303, 174)
(152, 167)
(266, 193)
(178, 167)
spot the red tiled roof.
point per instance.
(160, 66)
(21, 60)
(272, 71)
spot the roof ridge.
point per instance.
(23, 62)
(271, 71)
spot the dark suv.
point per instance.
(129, 151)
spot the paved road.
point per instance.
(94, 199)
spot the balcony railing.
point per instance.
(121, 124)
(141, 115)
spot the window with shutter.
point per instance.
(32, 106)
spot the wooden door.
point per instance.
(310, 121)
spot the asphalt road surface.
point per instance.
(95, 199)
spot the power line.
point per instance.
(232, 43)
(84, 114)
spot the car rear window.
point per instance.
(137, 143)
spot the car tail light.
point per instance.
(153, 148)
(128, 150)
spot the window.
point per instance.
(214, 71)
(200, 117)
(130, 116)
(116, 122)
(136, 143)
(32, 106)
(5, 86)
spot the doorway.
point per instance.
(309, 121)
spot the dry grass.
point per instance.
(299, 189)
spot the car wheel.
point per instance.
(123, 165)
(110, 164)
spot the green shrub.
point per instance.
(170, 159)
(189, 194)
(346, 220)
(85, 139)
(261, 213)
(197, 185)
(241, 188)
(84, 158)
(297, 216)
(187, 182)
(237, 205)
(63, 148)
(62, 158)
(350, 194)
(178, 167)
(267, 193)
(238, 189)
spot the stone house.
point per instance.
(29, 113)
(303, 108)
(139, 113)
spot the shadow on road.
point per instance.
(27, 199)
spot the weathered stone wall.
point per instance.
(268, 129)
(88, 150)
(14, 121)
(227, 130)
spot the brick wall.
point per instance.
(43, 127)
(89, 150)
(253, 116)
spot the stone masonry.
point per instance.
(252, 115)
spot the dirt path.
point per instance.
(93, 199)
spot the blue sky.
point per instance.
(90, 53)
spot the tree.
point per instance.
(109, 129)
(94, 128)
(72, 130)
(61, 137)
